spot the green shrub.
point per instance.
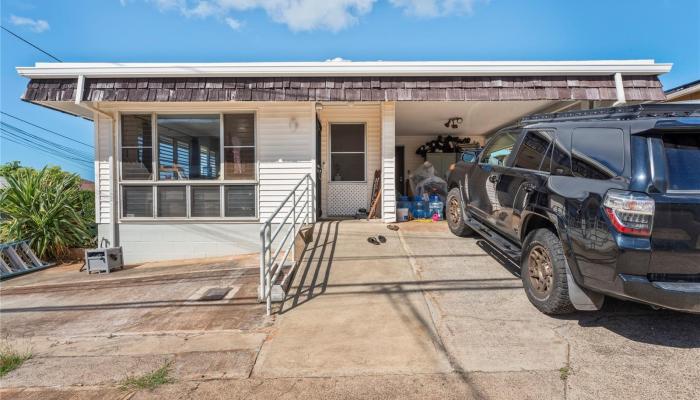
(46, 207)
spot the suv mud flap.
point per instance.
(582, 299)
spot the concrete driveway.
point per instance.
(424, 315)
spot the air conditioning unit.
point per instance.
(103, 259)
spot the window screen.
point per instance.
(597, 153)
(205, 201)
(239, 201)
(532, 151)
(137, 148)
(239, 146)
(137, 201)
(348, 152)
(172, 201)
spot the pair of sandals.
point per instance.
(376, 240)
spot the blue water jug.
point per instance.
(436, 207)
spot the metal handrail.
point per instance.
(302, 211)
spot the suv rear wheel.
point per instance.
(543, 272)
(455, 217)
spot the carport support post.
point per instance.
(388, 173)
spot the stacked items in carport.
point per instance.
(430, 193)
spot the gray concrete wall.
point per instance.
(161, 241)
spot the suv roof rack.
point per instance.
(620, 113)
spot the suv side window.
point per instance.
(533, 150)
(597, 153)
(561, 155)
(499, 148)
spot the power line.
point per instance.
(21, 143)
(53, 144)
(47, 130)
(30, 43)
(43, 144)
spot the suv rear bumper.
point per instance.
(681, 296)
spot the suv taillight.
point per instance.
(630, 213)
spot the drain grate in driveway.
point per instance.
(214, 294)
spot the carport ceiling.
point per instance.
(480, 117)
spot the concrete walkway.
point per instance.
(425, 315)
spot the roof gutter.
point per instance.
(345, 68)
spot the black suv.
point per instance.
(591, 203)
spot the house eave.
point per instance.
(345, 68)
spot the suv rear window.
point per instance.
(683, 159)
(598, 153)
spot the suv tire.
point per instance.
(543, 272)
(454, 215)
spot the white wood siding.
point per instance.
(286, 151)
(370, 115)
(388, 135)
(103, 171)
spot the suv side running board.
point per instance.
(501, 243)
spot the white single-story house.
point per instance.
(190, 158)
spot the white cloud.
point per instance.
(36, 25)
(435, 8)
(309, 15)
(233, 23)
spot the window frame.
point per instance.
(330, 152)
(154, 182)
(519, 136)
(548, 151)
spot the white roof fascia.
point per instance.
(345, 68)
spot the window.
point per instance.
(533, 150)
(188, 147)
(683, 157)
(138, 201)
(498, 149)
(205, 201)
(347, 152)
(172, 201)
(205, 166)
(561, 157)
(239, 146)
(240, 201)
(597, 153)
(137, 149)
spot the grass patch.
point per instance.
(564, 373)
(11, 359)
(151, 380)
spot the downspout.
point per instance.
(79, 102)
(620, 90)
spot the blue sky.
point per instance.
(316, 30)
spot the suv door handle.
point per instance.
(493, 178)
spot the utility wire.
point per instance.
(53, 144)
(47, 145)
(47, 130)
(21, 143)
(30, 43)
(7, 135)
